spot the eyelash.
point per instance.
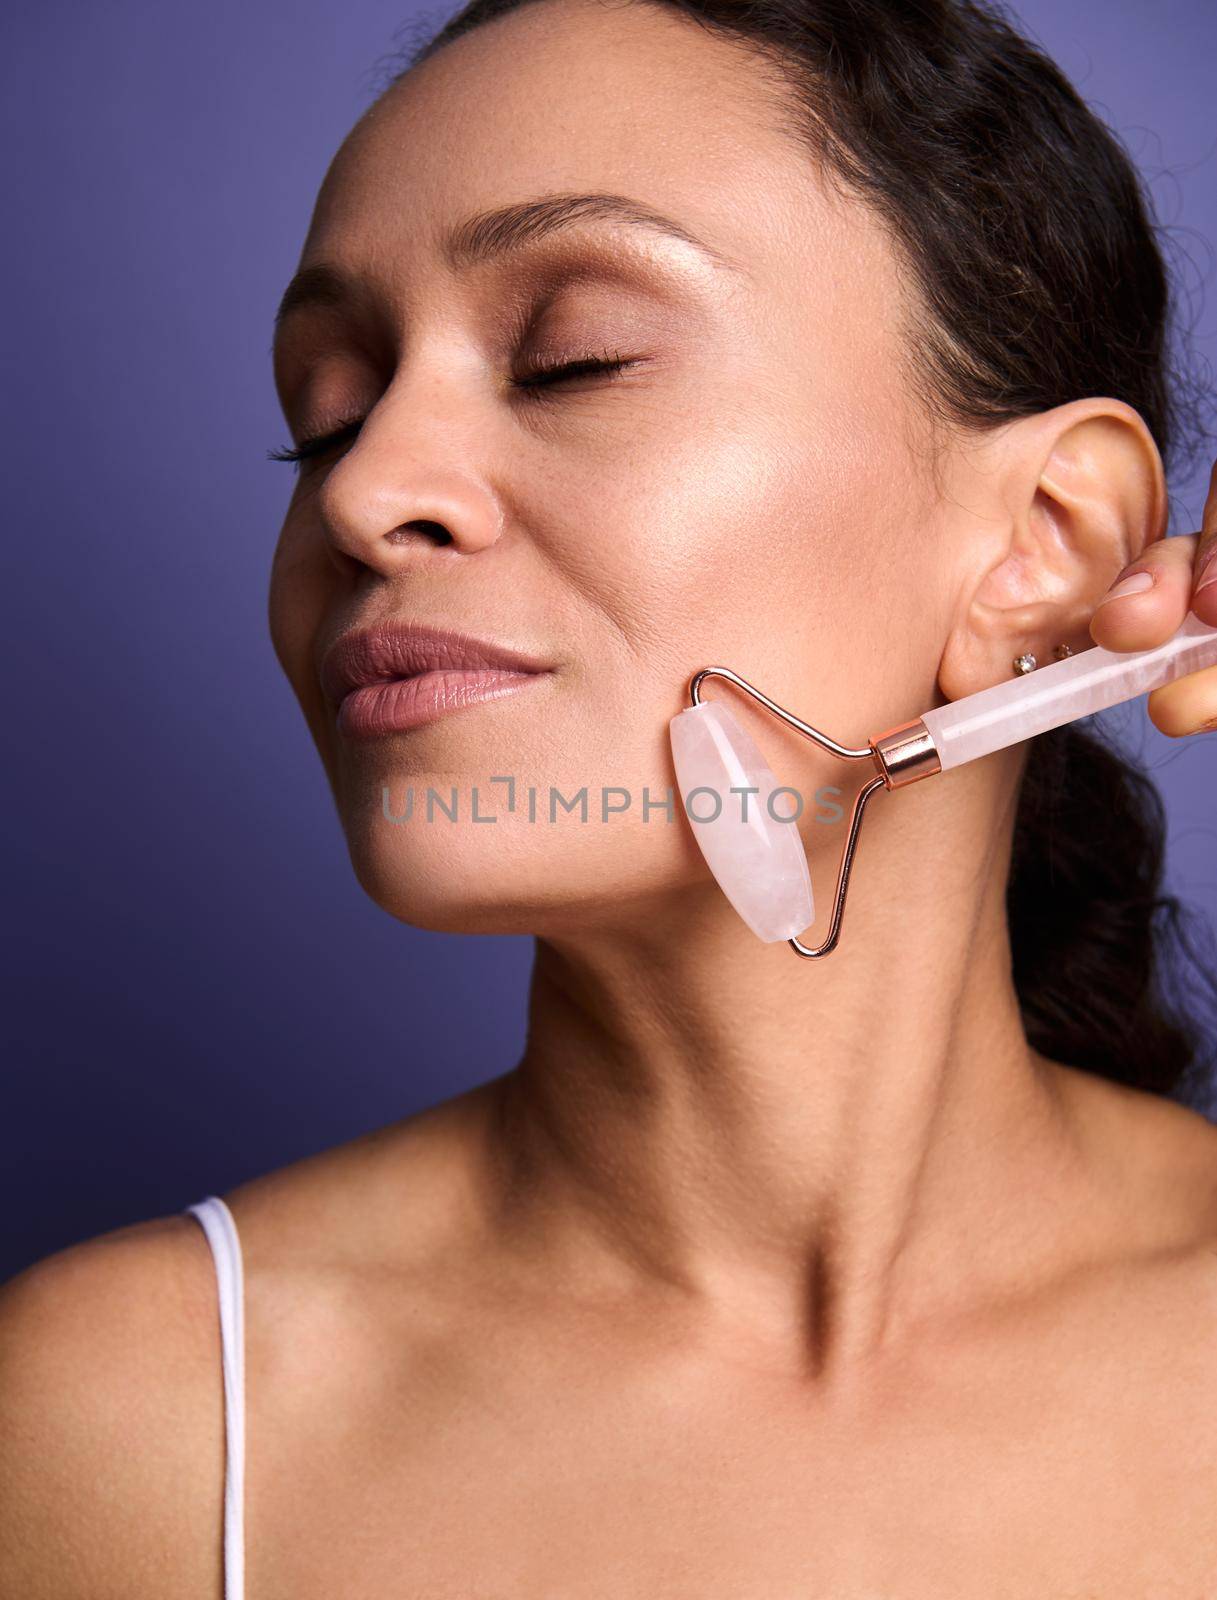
(533, 383)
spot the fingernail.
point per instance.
(1208, 572)
(1139, 582)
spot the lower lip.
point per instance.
(381, 708)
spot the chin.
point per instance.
(495, 877)
(442, 896)
(508, 876)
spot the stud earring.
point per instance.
(1027, 662)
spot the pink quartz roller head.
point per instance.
(728, 791)
(751, 845)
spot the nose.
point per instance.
(401, 491)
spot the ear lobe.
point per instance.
(1082, 492)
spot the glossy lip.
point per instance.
(390, 651)
(378, 709)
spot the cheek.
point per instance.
(735, 538)
(298, 594)
(745, 534)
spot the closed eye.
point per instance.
(534, 383)
(319, 444)
(541, 378)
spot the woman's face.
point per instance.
(752, 489)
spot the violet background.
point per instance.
(198, 989)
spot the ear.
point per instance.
(1070, 496)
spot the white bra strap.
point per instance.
(221, 1230)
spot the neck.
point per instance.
(825, 1152)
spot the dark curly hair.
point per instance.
(1027, 229)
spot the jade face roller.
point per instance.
(754, 850)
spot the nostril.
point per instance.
(433, 530)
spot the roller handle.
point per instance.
(1010, 712)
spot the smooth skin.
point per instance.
(755, 1278)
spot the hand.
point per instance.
(1140, 621)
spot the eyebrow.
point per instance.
(490, 234)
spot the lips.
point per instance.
(390, 652)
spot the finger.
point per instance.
(1148, 613)
(1204, 596)
(1188, 705)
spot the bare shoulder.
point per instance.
(111, 1393)
(385, 1199)
(1172, 1158)
(1163, 1153)
(111, 1444)
(111, 1390)
(1160, 1158)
